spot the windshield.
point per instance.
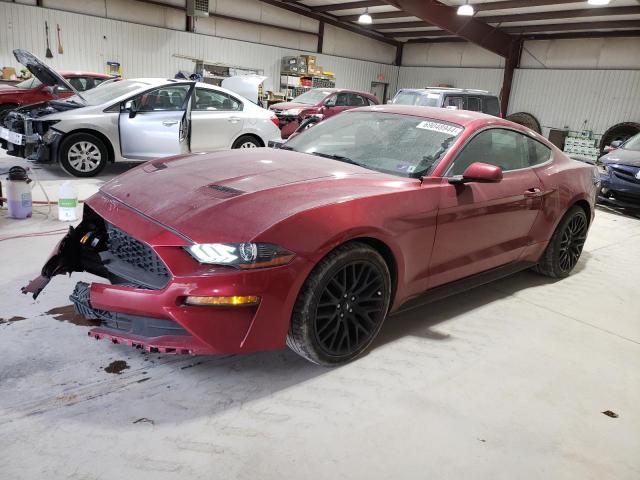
(401, 145)
(632, 144)
(109, 91)
(312, 97)
(29, 83)
(423, 99)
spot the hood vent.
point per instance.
(225, 192)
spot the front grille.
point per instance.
(626, 173)
(137, 255)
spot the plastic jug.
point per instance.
(19, 193)
(67, 203)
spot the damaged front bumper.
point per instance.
(149, 276)
(23, 136)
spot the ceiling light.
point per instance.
(466, 10)
(365, 18)
(598, 2)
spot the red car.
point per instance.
(321, 103)
(313, 245)
(33, 91)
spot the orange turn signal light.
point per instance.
(233, 301)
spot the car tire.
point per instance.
(246, 141)
(83, 155)
(341, 306)
(565, 247)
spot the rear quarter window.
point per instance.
(491, 106)
(538, 152)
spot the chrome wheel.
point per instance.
(248, 144)
(572, 242)
(84, 156)
(351, 308)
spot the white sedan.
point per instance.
(136, 119)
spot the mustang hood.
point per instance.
(239, 193)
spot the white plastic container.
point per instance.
(67, 203)
(19, 194)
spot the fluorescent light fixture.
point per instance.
(365, 18)
(466, 10)
(598, 2)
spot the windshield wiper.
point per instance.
(287, 147)
(340, 158)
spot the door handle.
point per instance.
(169, 123)
(234, 119)
(533, 192)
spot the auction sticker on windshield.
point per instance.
(440, 128)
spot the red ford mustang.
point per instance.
(314, 244)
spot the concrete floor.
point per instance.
(505, 381)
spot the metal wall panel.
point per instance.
(145, 51)
(482, 78)
(578, 99)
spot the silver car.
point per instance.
(136, 119)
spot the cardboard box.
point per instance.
(309, 59)
(9, 73)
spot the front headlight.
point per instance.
(602, 168)
(51, 136)
(294, 111)
(240, 255)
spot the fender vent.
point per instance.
(225, 192)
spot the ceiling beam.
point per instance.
(542, 36)
(334, 7)
(479, 7)
(523, 17)
(332, 20)
(446, 18)
(510, 4)
(375, 16)
(556, 27)
(580, 13)
(567, 27)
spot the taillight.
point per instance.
(275, 121)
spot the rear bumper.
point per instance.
(203, 330)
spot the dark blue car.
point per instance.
(620, 173)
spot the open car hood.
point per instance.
(245, 85)
(47, 75)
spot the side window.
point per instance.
(538, 153)
(370, 102)
(342, 99)
(473, 104)
(491, 106)
(331, 101)
(454, 102)
(171, 97)
(504, 148)
(357, 100)
(213, 100)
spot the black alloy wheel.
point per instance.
(341, 306)
(573, 238)
(565, 247)
(351, 308)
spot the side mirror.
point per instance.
(614, 145)
(478, 172)
(131, 107)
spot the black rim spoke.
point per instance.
(572, 242)
(350, 308)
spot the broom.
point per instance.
(48, 54)
(60, 49)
